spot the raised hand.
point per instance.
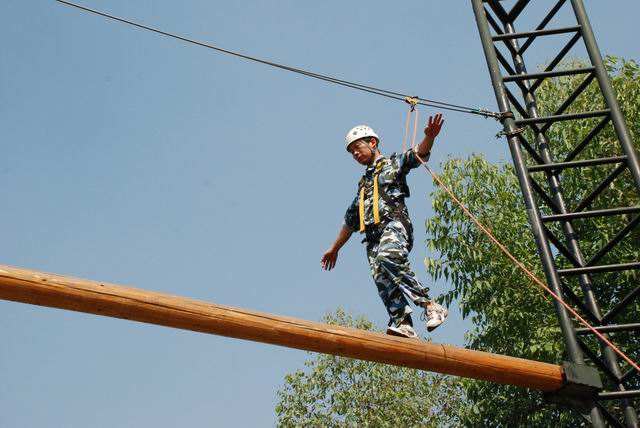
(433, 127)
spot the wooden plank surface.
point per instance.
(56, 291)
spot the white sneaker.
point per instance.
(434, 314)
(405, 330)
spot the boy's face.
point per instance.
(364, 150)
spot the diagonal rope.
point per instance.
(542, 286)
(524, 269)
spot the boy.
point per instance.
(379, 212)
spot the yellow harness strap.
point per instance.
(376, 213)
(361, 209)
(376, 197)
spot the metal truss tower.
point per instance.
(586, 275)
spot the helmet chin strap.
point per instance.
(373, 155)
(373, 151)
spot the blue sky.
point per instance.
(137, 159)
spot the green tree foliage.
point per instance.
(342, 392)
(510, 315)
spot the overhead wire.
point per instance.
(330, 79)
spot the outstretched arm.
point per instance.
(430, 133)
(330, 258)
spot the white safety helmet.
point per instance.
(358, 132)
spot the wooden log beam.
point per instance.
(56, 291)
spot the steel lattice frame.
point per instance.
(554, 218)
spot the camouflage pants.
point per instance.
(396, 282)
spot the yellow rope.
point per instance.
(376, 212)
(375, 202)
(361, 209)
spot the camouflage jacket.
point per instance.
(392, 187)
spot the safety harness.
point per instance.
(376, 197)
(398, 211)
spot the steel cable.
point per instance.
(330, 79)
